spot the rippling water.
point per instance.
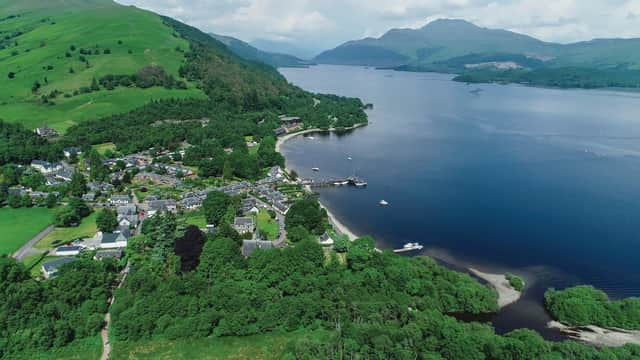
(541, 182)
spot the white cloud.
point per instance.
(325, 23)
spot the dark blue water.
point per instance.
(541, 182)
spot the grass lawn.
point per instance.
(254, 149)
(89, 348)
(87, 228)
(267, 224)
(258, 347)
(196, 218)
(101, 148)
(17, 226)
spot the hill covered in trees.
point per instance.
(249, 52)
(493, 55)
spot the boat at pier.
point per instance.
(409, 247)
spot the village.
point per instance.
(143, 185)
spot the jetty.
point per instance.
(350, 181)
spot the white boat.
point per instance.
(315, 169)
(409, 247)
(384, 203)
(309, 137)
(341, 183)
(360, 183)
(349, 158)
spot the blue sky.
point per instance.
(323, 24)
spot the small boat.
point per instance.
(341, 183)
(383, 203)
(360, 183)
(349, 158)
(409, 247)
(309, 137)
(315, 169)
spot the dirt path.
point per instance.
(27, 249)
(104, 333)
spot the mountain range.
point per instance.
(456, 46)
(249, 52)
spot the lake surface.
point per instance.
(541, 182)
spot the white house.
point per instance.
(119, 200)
(326, 240)
(113, 241)
(46, 167)
(68, 250)
(49, 269)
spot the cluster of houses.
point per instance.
(289, 124)
(158, 179)
(273, 196)
(54, 172)
(193, 200)
(21, 191)
(46, 132)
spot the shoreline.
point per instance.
(598, 336)
(282, 139)
(339, 227)
(506, 294)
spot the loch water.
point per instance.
(544, 183)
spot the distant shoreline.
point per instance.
(282, 139)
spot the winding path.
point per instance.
(104, 333)
(27, 249)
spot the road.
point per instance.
(27, 249)
(104, 334)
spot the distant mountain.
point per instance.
(248, 52)
(282, 47)
(444, 44)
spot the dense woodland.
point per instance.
(584, 305)
(40, 315)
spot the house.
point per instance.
(17, 191)
(249, 206)
(46, 132)
(118, 200)
(160, 206)
(290, 119)
(244, 225)
(276, 172)
(326, 240)
(279, 131)
(211, 229)
(191, 203)
(108, 254)
(128, 215)
(113, 240)
(90, 196)
(50, 268)
(68, 151)
(249, 246)
(68, 250)
(157, 179)
(64, 175)
(46, 167)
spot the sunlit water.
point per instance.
(541, 182)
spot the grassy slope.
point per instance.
(267, 224)
(87, 228)
(83, 349)
(49, 33)
(20, 225)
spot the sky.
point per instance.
(324, 24)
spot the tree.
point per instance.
(94, 85)
(51, 201)
(107, 220)
(78, 185)
(65, 217)
(12, 75)
(298, 233)
(15, 201)
(308, 214)
(79, 207)
(26, 201)
(215, 207)
(189, 247)
(341, 244)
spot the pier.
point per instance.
(350, 181)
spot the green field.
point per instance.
(17, 226)
(102, 148)
(196, 218)
(258, 347)
(59, 236)
(135, 38)
(267, 224)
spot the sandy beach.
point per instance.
(282, 139)
(506, 294)
(338, 226)
(599, 336)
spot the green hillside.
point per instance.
(248, 52)
(63, 45)
(481, 55)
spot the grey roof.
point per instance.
(127, 210)
(110, 238)
(249, 246)
(103, 254)
(243, 221)
(120, 198)
(69, 248)
(52, 266)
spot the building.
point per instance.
(191, 203)
(244, 225)
(50, 268)
(91, 196)
(68, 151)
(46, 167)
(108, 254)
(119, 200)
(279, 131)
(46, 132)
(160, 207)
(290, 119)
(68, 250)
(128, 215)
(157, 179)
(249, 246)
(63, 175)
(326, 239)
(249, 206)
(113, 240)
